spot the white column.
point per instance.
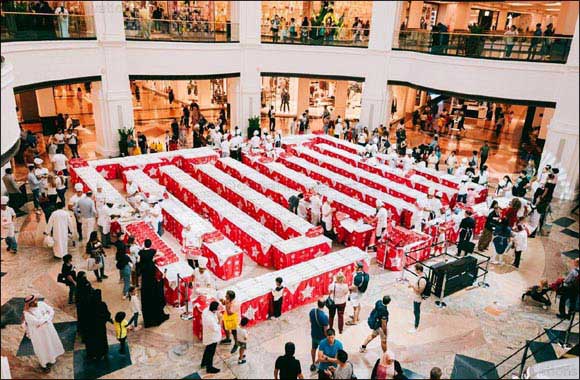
(115, 106)
(250, 16)
(383, 24)
(10, 131)
(375, 99)
(561, 147)
(233, 85)
(250, 91)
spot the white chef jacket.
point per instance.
(382, 215)
(255, 142)
(327, 215)
(302, 209)
(435, 205)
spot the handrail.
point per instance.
(178, 20)
(488, 35)
(524, 347)
(44, 14)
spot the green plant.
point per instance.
(254, 122)
(123, 134)
(474, 44)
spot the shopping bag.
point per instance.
(48, 241)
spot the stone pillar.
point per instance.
(567, 18)
(461, 17)
(233, 86)
(114, 107)
(384, 23)
(415, 11)
(250, 15)
(501, 20)
(340, 93)
(561, 147)
(375, 99)
(10, 131)
(204, 93)
(410, 100)
(303, 101)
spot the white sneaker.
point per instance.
(413, 331)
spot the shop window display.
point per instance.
(207, 21)
(341, 23)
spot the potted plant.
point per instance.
(253, 125)
(123, 134)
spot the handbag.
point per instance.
(330, 304)
(48, 241)
(61, 278)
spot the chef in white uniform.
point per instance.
(303, 209)
(255, 141)
(132, 192)
(382, 216)
(408, 161)
(315, 208)
(327, 213)
(435, 204)
(202, 278)
(156, 215)
(191, 245)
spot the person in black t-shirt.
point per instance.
(287, 366)
(293, 202)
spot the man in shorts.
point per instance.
(378, 320)
(360, 281)
(318, 327)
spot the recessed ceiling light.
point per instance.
(520, 4)
(553, 9)
(552, 4)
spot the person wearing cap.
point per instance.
(202, 277)
(315, 208)
(191, 245)
(408, 160)
(104, 221)
(435, 205)
(255, 141)
(72, 206)
(381, 216)
(34, 185)
(225, 147)
(236, 145)
(327, 214)
(59, 224)
(142, 207)
(156, 215)
(46, 344)
(360, 282)
(466, 228)
(7, 218)
(88, 212)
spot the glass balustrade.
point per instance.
(23, 26)
(317, 35)
(177, 30)
(553, 49)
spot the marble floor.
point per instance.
(487, 324)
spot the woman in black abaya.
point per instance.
(96, 336)
(83, 304)
(152, 298)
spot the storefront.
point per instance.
(208, 11)
(291, 96)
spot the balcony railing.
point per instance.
(317, 35)
(177, 30)
(489, 46)
(22, 26)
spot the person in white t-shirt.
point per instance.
(58, 139)
(255, 141)
(72, 140)
(462, 193)
(303, 209)
(225, 147)
(327, 213)
(8, 218)
(315, 209)
(59, 161)
(520, 239)
(382, 216)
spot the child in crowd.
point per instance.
(135, 307)
(277, 294)
(243, 339)
(121, 330)
(134, 255)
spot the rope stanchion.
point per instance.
(186, 315)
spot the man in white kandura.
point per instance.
(60, 225)
(39, 328)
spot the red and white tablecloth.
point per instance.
(396, 175)
(304, 283)
(272, 189)
(297, 139)
(303, 183)
(451, 181)
(351, 232)
(297, 250)
(402, 212)
(277, 218)
(91, 179)
(248, 234)
(391, 250)
(342, 144)
(149, 166)
(177, 272)
(375, 181)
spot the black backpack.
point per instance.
(427, 291)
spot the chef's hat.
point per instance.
(4, 200)
(256, 133)
(431, 191)
(379, 203)
(439, 194)
(202, 261)
(464, 161)
(409, 151)
(38, 161)
(79, 187)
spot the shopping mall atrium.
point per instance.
(289, 189)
